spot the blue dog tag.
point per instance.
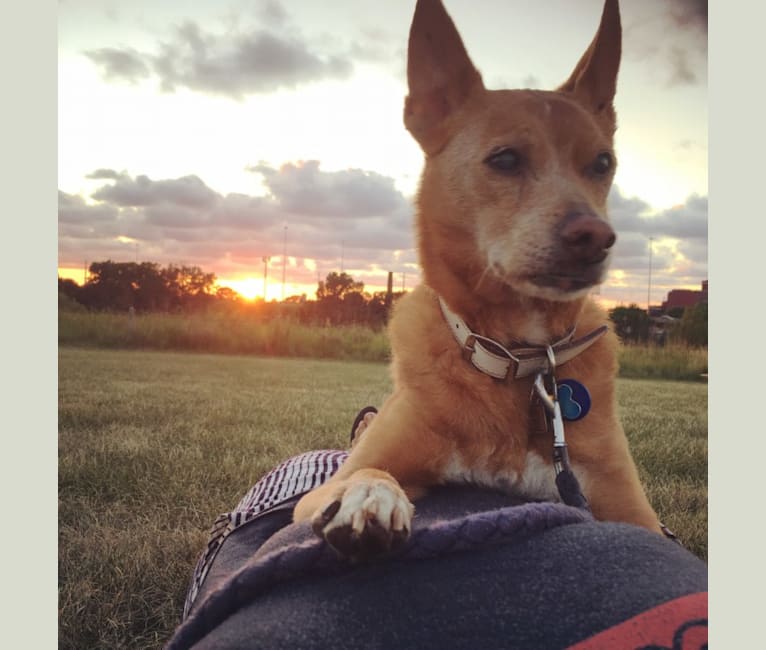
(574, 399)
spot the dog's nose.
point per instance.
(586, 237)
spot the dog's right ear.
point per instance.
(594, 80)
(440, 75)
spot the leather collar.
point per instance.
(497, 361)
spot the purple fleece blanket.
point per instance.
(460, 522)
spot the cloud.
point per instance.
(326, 216)
(681, 69)
(678, 240)
(302, 188)
(120, 64)
(378, 46)
(689, 14)
(352, 218)
(187, 191)
(74, 210)
(233, 63)
(106, 173)
(631, 215)
(272, 12)
(671, 37)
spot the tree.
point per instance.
(693, 326)
(227, 294)
(338, 285)
(69, 288)
(110, 285)
(190, 286)
(340, 299)
(146, 287)
(631, 323)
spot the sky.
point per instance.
(217, 134)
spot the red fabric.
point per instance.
(679, 624)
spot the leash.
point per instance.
(495, 360)
(566, 482)
(547, 390)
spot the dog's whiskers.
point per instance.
(489, 269)
(492, 269)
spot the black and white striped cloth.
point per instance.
(296, 476)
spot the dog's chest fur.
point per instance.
(536, 481)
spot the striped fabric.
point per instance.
(296, 476)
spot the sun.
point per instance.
(248, 288)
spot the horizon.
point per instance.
(216, 134)
(251, 289)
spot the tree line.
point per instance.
(634, 325)
(340, 300)
(148, 287)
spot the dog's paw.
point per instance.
(368, 517)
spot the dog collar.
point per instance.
(499, 362)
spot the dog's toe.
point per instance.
(371, 518)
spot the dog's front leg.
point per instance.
(612, 484)
(361, 516)
(365, 508)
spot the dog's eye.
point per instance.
(505, 160)
(603, 164)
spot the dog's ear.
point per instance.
(440, 75)
(594, 80)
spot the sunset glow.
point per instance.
(251, 288)
(304, 154)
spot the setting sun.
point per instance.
(251, 288)
(248, 288)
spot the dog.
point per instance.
(512, 236)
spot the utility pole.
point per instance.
(84, 272)
(649, 290)
(342, 244)
(403, 276)
(265, 274)
(284, 261)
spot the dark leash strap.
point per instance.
(566, 482)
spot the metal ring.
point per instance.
(551, 357)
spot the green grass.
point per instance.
(666, 423)
(221, 332)
(673, 361)
(235, 332)
(154, 445)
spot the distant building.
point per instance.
(685, 297)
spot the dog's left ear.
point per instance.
(594, 80)
(440, 76)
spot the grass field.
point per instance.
(241, 333)
(154, 445)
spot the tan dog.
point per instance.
(512, 235)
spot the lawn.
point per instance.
(154, 445)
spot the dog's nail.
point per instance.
(330, 511)
(324, 518)
(399, 538)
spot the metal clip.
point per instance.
(542, 393)
(566, 482)
(553, 414)
(551, 360)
